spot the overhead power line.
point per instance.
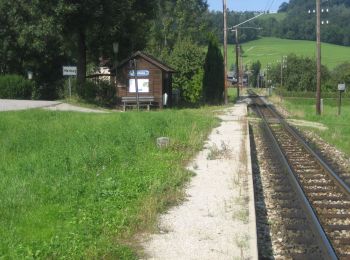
(269, 5)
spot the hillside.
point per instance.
(270, 50)
(299, 21)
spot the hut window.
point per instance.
(143, 85)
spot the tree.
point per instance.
(300, 74)
(256, 66)
(175, 21)
(340, 74)
(32, 40)
(44, 35)
(283, 7)
(213, 81)
(187, 58)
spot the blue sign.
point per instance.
(140, 73)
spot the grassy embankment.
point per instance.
(338, 132)
(79, 186)
(270, 50)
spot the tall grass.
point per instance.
(338, 132)
(80, 185)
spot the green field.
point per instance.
(270, 50)
(338, 132)
(79, 186)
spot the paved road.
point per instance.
(10, 104)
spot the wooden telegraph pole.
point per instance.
(318, 46)
(237, 60)
(225, 53)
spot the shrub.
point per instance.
(15, 86)
(188, 59)
(101, 93)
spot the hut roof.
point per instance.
(150, 59)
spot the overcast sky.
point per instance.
(246, 5)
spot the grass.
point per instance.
(270, 50)
(80, 186)
(77, 101)
(338, 132)
(232, 94)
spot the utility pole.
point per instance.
(318, 46)
(283, 66)
(237, 60)
(225, 53)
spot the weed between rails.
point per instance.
(81, 185)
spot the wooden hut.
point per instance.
(153, 78)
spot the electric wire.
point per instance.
(269, 5)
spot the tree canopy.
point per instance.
(41, 36)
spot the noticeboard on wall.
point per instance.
(142, 84)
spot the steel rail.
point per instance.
(316, 226)
(338, 181)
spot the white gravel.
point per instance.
(68, 107)
(12, 104)
(205, 226)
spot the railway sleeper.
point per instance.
(318, 182)
(283, 206)
(319, 189)
(302, 250)
(343, 241)
(282, 196)
(296, 227)
(330, 205)
(336, 215)
(328, 197)
(332, 228)
(303, 256)
(292, 214)
(283, 189)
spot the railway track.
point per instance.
(322, 194)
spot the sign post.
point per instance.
(69, 71)
(341, 88)
(135, 72)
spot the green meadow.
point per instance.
(270, 50)
(80, 186)
(338, 132)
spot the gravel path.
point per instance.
(217, 221)
(11, 104)
(68, 107)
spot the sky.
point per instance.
(246, 5)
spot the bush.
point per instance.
(309, 94)
(15, 86)
(101, 93)
(187, 59)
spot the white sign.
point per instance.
(69, 70)
(341, 87)
(140, 73)
(142, 84)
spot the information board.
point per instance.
(69, 70)
(341, 87)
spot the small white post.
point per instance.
(69, 88)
